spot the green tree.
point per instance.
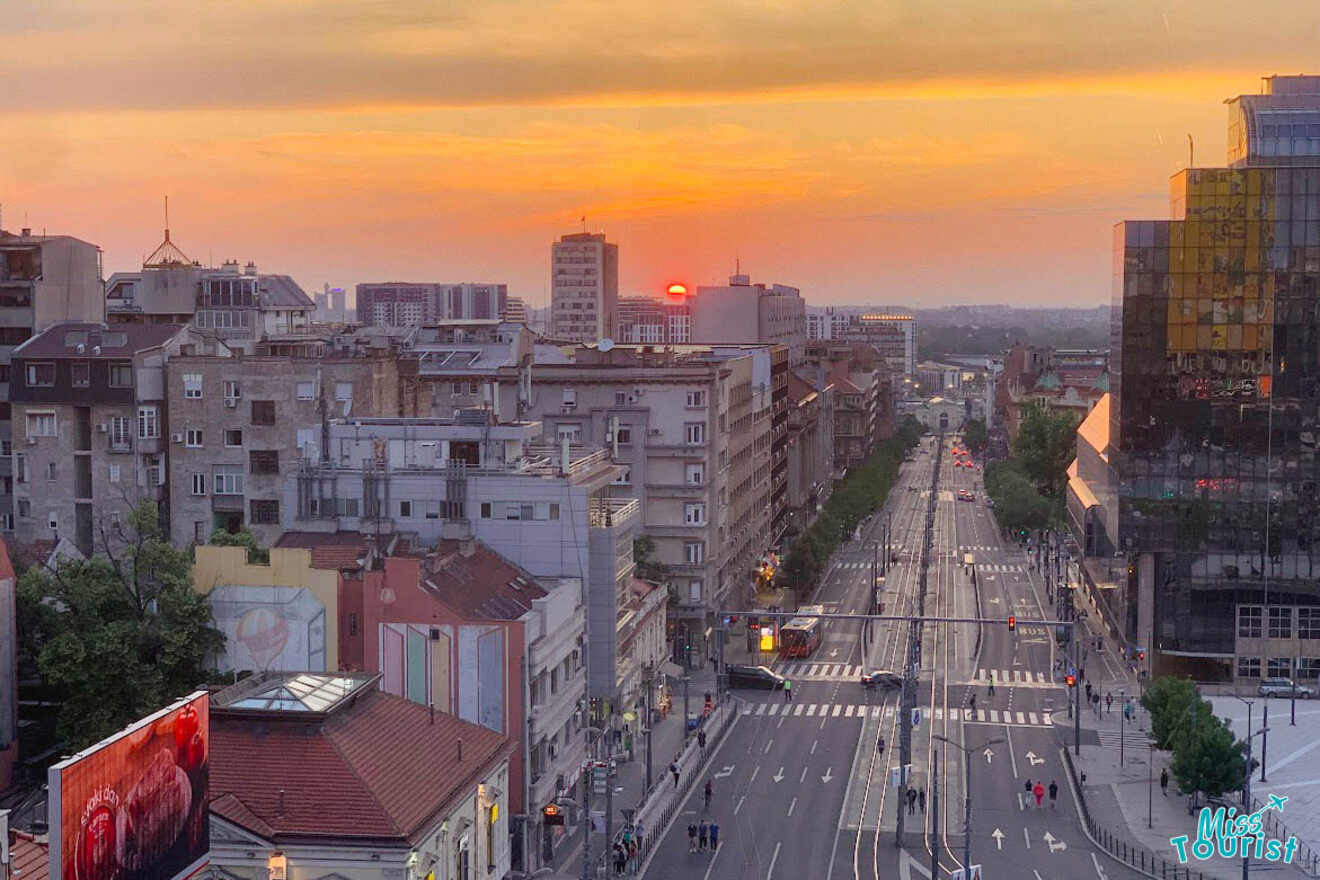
(121, 635)
(975, 435)
(256, 554)
(1169, 700)
(648, 567)
(1046, 443)
(1209, 760)
(1018, 505)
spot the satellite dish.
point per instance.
(606, 344)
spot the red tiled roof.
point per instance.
(379, 769)
(332, 550)
(29, 858)
(53, 342)
(477, 582)
(799, 388)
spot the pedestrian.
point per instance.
(673, 769)
(788, 691)
(692, 837)
(912, 801)
(972, 701)
(1109, 703)
(880, 745)
(620, 858)
(1054, 794)
(1038, 791)
(1028, 788)
(714, 835)
(992, 684)
(1164, 782)
(1096, 702)
(921, 800)
(1127, 710)
(710, 791)
(1088, 692)
(701, 738)
(632, 856)
(703, 834)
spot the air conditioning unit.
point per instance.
(31, 441)
(568, 407)
(178, 438)
(632, 398)
(231, 402)
(102, 428)
(656, 432)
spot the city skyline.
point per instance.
(835, 150)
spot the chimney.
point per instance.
(281, 802)
(467, 547)
(27, 231)
(460, 750)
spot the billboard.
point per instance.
(133, 807)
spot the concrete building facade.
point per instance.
(584, 287)
(408, 304)
(742, 312)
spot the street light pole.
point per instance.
(967, 800)
(935, 816)
(1150, 784)
(1264, 734)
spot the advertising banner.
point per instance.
(133, 806)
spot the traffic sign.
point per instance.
(916, 717)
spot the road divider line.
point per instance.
(774, 858)
(792, 805)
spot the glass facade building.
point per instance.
(1216, 408)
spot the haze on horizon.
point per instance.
(908, 152)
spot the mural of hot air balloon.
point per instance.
(270, 628)
(264, 633)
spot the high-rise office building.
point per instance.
(584, 287)
(743, 312)
(406, 304)
(1216, 404)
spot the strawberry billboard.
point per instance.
(133, 806)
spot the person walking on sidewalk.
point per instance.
(710, 790)
(1109, 703)
(912, 801)
(1039, 793)
(1088, 692)
(1164, 782)
(1054, 794)
(921, 800)
(701, 739)
(703, 834)
(788, 691)
(673, 770)
(714, 835)
(692, 837)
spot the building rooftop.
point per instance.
(1095, 427)
(372, 767)
(332, 550)
(29, 857)
(477, 582)
(97, 340)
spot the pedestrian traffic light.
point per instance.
(1012, 623)
(1141, 655)
(1070, 680)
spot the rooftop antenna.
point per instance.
(584, 222)
(1191, 151)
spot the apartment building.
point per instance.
(862, 397)
(810, 450)
(555, 512)
(652, 321)
(409, 304)
(237, 306)
(465, 364)
(515, 311)
(691, 427)
(92, 435)
(743, 312)
(238, 425)
(584, 287)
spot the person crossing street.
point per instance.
(788, 691)
(1054, 794)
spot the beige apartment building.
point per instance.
(584, 287)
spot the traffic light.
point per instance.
(1012, 623)
(1141, 655)
(1070, 680)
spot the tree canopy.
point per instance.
(121, 635)
(1207, 757)
(1018, 505)
(975, 435)
(1046, 442)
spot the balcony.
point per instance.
(227, 503)
(616, 513)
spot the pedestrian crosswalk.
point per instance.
(990, 567)
(859, 711)
(858, 565)
(1013, 678)
(799, 671)
(972, 548)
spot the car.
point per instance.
(754, 677)
(882, 678)
(971, 496)
(1283, 687)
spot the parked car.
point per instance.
(1283, 687)
(754, 677)
(882, 678)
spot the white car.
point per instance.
(1284, 687)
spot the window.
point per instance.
(40, 374)
(405, 509)
(113, 473)
(227, 479)
(264, 461)
(7, 522)
(193, 438)
(41, 424)
(148, 422)
(695, 474)
(570, 398)
(621, 398)
(263, 412)
(1248, 667)
(121, 434)
(231, 390)
(81, 374)
(52, 472)
(623, 434)
(519, 510)
(572, 432)
(192, 386)
(1307, 667)
(346, 506)
(24, 508)
(696, 398)
(694, 591)
(1280, 622)
(1280, 667)
(6, 447)
(695, 433)
(233, 437)
(121, 374)
(694, 552)
(431, 510)
(264, 512)
(199, 484)
(343, 391)
(1249, 624)
(1308, 623)
(624, 478)
(53, 520)
(306, 390)
(153, 470)
(694, 514)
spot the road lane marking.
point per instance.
(757, 769)
(792, 803)
(1008, 733)
(1095, 860)
(814, 743)
(738, 806)
(774, 858)
(768, 744)
(1025, 835)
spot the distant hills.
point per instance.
(994, 329)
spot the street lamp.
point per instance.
(967, 792)
(592, 733)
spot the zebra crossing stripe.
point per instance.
(797, 710)
(994, 716)
(875, 711)
(814, 670)
(811, 710)
(849, 712)
(1047, 719)
(1031, 717)
(838, 707)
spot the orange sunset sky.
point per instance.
(891, 151)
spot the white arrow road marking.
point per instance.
(989, 754)
(994, 601)
(1031, 756)
(906, 865)
(827, 777)
(834, 653)
(1100, 871)
(1055, 845)
(779, 777)
(727, 771)
(999, 838)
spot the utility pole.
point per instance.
(1077, 696)
(935, 816)
(650, 689)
